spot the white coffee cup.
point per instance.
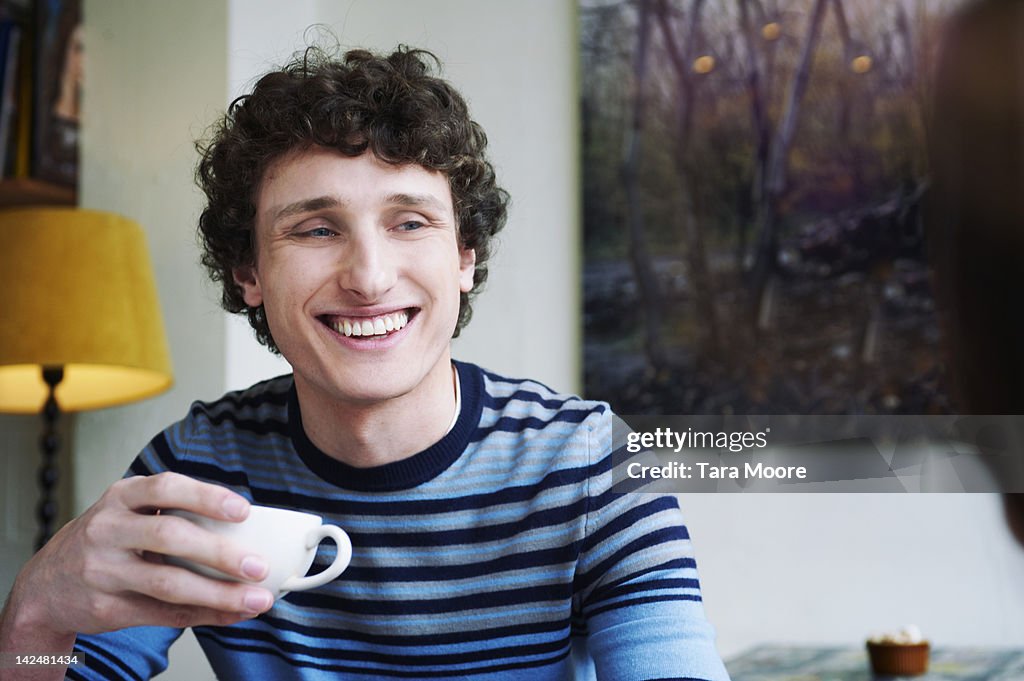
(287, 539)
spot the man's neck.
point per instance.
(374, 434)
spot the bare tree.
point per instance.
(759, 116)
(848, 101)
(693, 230)
(776, 178)
(639, 251)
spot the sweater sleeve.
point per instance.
(136, 653)
(637, 591)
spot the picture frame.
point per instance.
(57, 91)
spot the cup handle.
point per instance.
(341, 560)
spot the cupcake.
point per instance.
(904, 653)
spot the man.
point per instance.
(350, 211)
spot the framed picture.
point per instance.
(753, 177)
(58, 90)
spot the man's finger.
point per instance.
(173, 490)
(140, 610)
(171, 535)
(178, 586)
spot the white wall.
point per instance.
(156, 77)
(833, 568)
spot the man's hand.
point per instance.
(104, 570)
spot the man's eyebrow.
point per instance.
(306, 206)
(414, 200)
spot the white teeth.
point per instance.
(376, 326)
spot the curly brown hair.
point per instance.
(390, 105)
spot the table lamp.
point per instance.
(80, 326)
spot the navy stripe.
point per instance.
(675, 564)
(139, 468)
(196, 469)
(261, 427)
(509, 424)
(163, 451)
(642, 601)
(648, 585)
(527, 397)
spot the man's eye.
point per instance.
(410, 226)
(319, 232)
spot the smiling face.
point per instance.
(359, 270)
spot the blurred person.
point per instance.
(976, 221)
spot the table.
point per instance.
(810, 663)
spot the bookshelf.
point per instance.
(27, 191)
(40, 86)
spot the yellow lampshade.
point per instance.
(78, 292)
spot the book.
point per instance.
(10, 42)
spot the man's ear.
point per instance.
(467, 268)
(247, 278)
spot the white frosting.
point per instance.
(908, 635)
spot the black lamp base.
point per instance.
(49, 443)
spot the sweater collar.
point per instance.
(408, 472)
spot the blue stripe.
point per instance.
(330, 634)
(551, 557)
(433, 606)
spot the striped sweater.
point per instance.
(500, 552)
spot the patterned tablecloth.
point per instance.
(796, 663)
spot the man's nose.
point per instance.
(368, 269)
